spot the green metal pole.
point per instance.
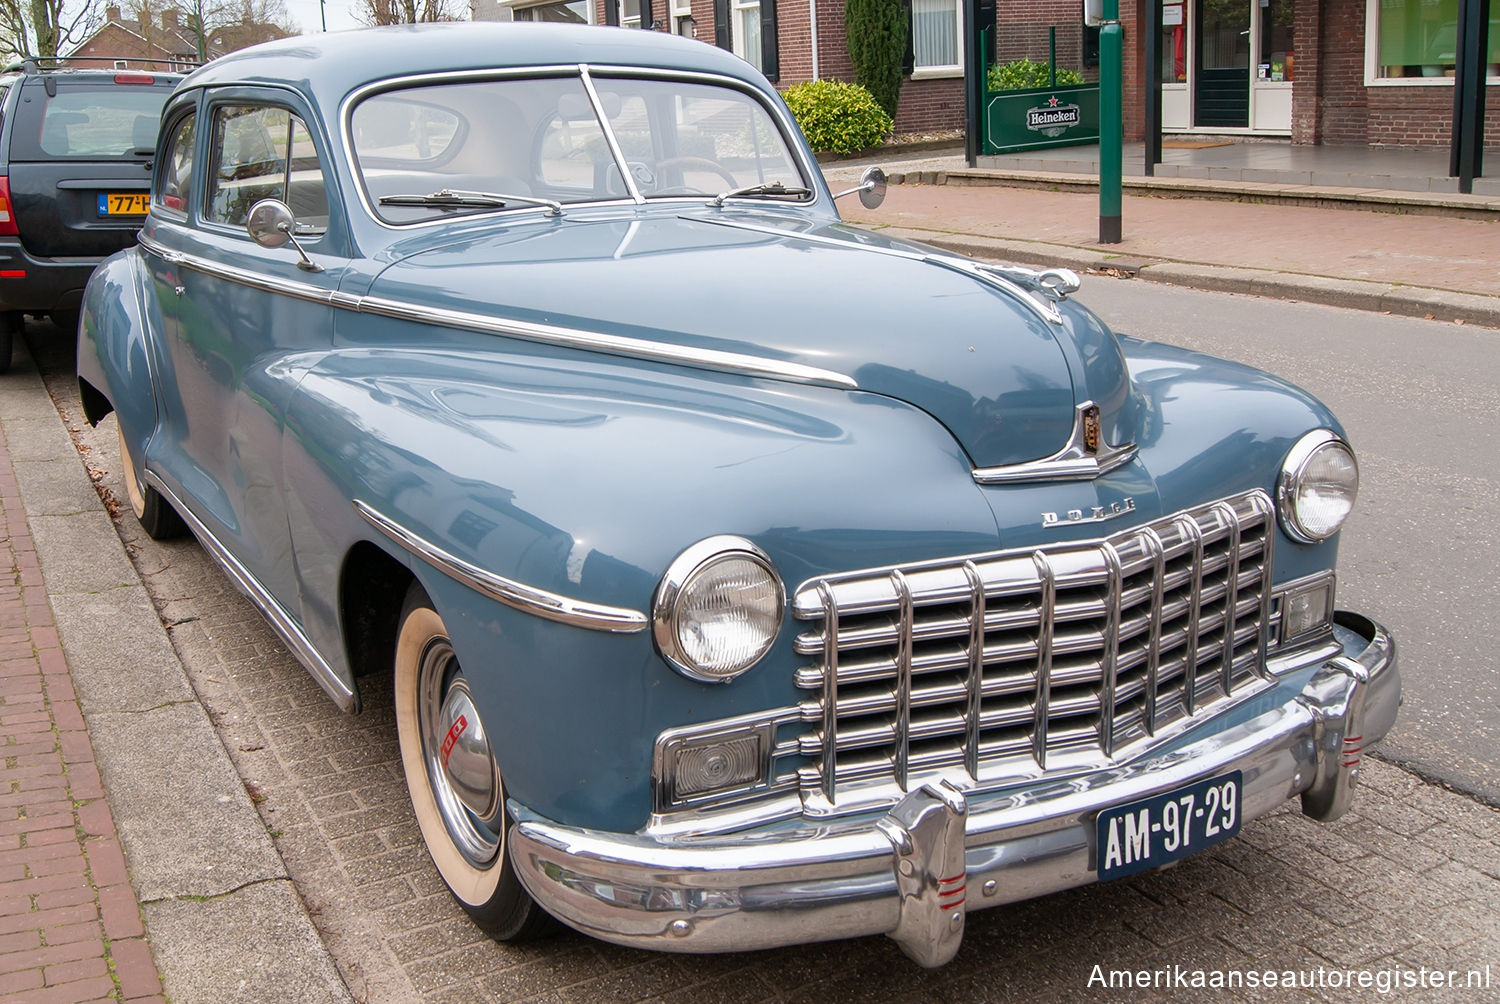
(1052, 56)
(1111, 122)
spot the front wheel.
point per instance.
(154, 513)
(455, 786)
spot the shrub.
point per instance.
(876, 39)
(1025, 75)
(838, 117)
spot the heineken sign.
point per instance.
(1032, 119)
(1053, 118)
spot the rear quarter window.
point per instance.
(87, 121)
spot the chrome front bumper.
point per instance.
(914, 873)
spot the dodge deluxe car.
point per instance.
(745, 578)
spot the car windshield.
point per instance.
(484, 146)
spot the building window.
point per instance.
(1412, 40)
(747, 31)
(576, 12)
(631, 14)
(936, 40)
(683, 22)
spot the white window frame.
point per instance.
(677, 10)
(951, 70)
(1372, 57)
(737, 34)
(515, 5)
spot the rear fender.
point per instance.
(116, 370)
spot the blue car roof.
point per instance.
(330, 65)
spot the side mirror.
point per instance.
(271, 224)
(871, 188)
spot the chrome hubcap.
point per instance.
(460, 766)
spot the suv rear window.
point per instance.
(87, 121)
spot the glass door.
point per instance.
(1222, 90)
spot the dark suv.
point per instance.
(76, 147)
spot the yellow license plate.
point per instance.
(123, 204)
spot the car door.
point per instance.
(239, 321)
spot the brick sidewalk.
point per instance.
(70, 927)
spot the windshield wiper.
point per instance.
(775, 189)
(451, 198)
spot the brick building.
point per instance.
(169, 45)
(1376, 72)
(789, 40)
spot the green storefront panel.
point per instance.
(1046, 117)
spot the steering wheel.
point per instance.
(703, 164)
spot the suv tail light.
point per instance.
(7, 212)
(134, 78)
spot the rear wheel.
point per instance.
(12, 324)
(154, 513)
(455, 786)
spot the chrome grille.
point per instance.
(1002, 666)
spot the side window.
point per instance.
(261, 152)
(176, 179)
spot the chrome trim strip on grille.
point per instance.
(1195, 602)
(573, 338)
(1047, 607)
(830, 691)
(975, 682)
(1158, 553)
(903, 681)
(281, 621)
(1111, 649)
(994, 669)
(527, 599)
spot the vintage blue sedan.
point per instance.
(746, 578)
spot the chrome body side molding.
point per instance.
(573, 338)
(284, 624)
(527, 599)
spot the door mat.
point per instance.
(1194, 144)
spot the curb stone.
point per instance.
(213, 889)
(1355, 294)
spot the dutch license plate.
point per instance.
(122, 203)
(1166, 827)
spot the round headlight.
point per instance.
(1319, 480)
(718, 609)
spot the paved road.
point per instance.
(1410, 879)
(1419, 400)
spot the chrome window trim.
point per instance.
(585, 72)
(517, 595)
(590, 341)
(283, 622)
(1046, 310)
(1071, 463)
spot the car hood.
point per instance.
(977, 357)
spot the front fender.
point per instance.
(586, 478)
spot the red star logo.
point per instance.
(1052, 103)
